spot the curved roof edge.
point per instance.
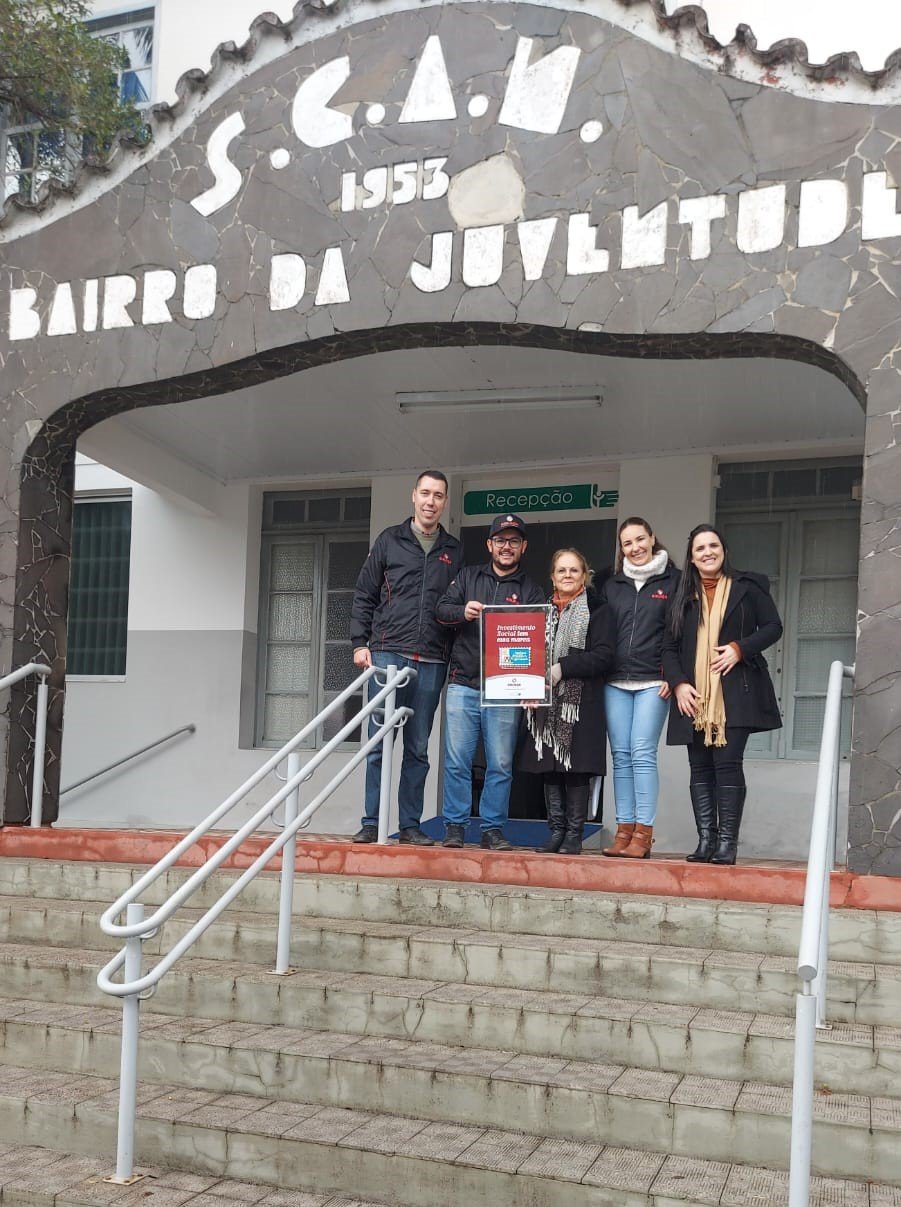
(784, 65)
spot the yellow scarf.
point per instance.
(710, 717)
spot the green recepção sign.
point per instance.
(582, 497)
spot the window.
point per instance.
(314, 544)
(98, 589)
(133, 33)
(31, 155)
(808, 550)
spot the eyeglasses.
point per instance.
(513, 541)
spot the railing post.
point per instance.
(128, 1074)
(802, 1100)
(387, 757)
(286, 891)
(40, 745)
(819, 984)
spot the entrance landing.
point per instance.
(665, 875)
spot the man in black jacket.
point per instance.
(393, 620)
(500, 582)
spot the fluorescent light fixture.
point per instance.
(527, 398)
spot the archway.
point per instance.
(47, 474)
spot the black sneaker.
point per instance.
(493, 840)
(366, 834)
(414, 837)
(454, 835)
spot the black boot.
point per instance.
(576, 815)
(703, 802)
(555, 803)
(730, 802)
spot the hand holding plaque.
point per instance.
(515, 665)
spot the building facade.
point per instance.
(592, 263)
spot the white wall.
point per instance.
(192, 617)
(91, 476)
(672, 493)
(193, 607)
(209, 589)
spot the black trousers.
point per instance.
(719, 765)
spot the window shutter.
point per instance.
(98, 590)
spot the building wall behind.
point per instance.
(192, 659)
(672, 493)
(193, 609)
(194, 586)
(191, 634)
(188, 31)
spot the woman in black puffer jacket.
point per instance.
(638, 596)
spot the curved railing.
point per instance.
(813, 952)
(137, 927)
(40, 731)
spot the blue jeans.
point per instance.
(422, 695)
(634, 724)
(464, 721)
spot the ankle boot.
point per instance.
(555, 804)
(640, 846)
(703, 802)
(576, 816)
(730, 803)
(623, 837)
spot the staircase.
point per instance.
(444, 1044)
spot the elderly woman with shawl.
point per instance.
(566, 740)
(721, 621)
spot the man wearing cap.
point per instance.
(408, 569)
(501, 581)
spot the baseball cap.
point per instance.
(501, 523)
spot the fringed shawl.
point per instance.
(553, 726)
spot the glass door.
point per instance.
(810, 558)
(823, 614)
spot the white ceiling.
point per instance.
(344, 419)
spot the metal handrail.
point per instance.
(810, 1002)
(40, 731)
(137, 928)
(128, 757)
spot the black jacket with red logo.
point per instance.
(397, 590)
(482, 584)
(640, 620)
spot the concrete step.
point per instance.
(748, 1046)
(733, 925)
(652, 1109)
(403, 1160)
(31, 1176)
(680, 975)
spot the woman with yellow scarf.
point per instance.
(720, 622)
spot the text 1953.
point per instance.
(395, 184)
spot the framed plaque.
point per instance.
(515, 665)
